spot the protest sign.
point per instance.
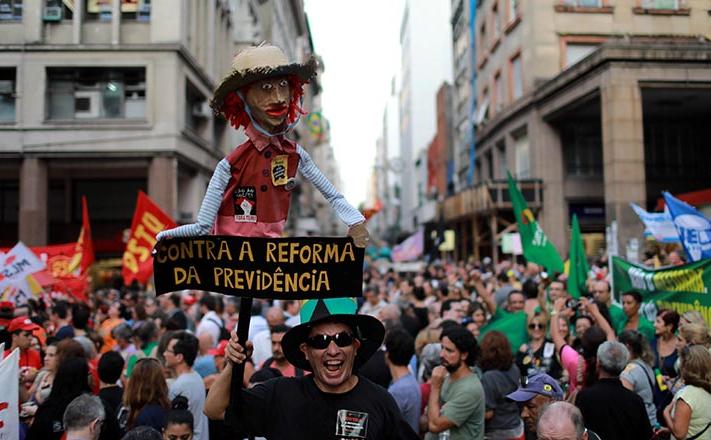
(148, 220)
(694, 229)
(411, 248)
(284, 268)
(9, 396)
(657, 224)
(15, 266)
(679, 288)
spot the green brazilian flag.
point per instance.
(578, 268)
(513, 325)
(536, 246)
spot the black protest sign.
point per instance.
(283, 268)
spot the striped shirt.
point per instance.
(221, 177)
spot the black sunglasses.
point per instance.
(319, 342)
(535, 325)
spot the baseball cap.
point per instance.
(537, 384)
(22, 323)
(220, 349)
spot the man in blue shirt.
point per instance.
(400, 347)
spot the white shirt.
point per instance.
(210, 323)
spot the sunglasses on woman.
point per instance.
(536, 325)
(320, 342)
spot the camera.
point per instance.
(572, 304)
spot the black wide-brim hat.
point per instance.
(257, 63)
(368, 330)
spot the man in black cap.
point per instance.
(332, 341)
(535, 392)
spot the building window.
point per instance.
(130, 10)
(7, 95)
(582, 148)
(516, 77)
(660, 4)
(498, 93)
(10, 10)
(501, 153)
(583, 3)
(482, 34)
(96, 93)
(513, 9)
(497, 20)
(575, 52)
(197, 110)
(523, 156)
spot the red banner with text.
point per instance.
(148, 221)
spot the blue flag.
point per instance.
(694, 229)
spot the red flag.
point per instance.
(148, 220)
(85, 246)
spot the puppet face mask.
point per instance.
(268, 100)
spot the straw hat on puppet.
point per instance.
(256, 63)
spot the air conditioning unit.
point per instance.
(87, 104)
(201, 110)
(53, 13)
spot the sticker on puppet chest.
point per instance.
(280, 170)
(245, 200)
(351, 424)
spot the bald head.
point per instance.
(561, 421)
(275, 316)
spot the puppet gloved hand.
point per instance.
(360, 234)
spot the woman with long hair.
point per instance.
(500, 377)
(146, 396)
(664, 345)
(689, 414)
(538, 354)
(70, 381)
(638, 375)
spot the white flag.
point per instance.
(9, 395)
(15, 266)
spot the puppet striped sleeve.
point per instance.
(347, 213)
(209, 208)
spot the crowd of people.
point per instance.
(467, 350)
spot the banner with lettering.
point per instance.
(9, 395)
(284, 268)
(693, 227)
(680, 288)
(15, 268)
(148, 220)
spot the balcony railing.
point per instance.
(491, 195)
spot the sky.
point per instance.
(359, 42)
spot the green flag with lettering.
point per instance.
(578, 268)
(536, 246)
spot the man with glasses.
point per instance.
(180, 356)
(83, 418)
(332, 342)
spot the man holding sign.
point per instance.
(334, 402)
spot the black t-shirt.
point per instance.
(613, 411)
(294, 408)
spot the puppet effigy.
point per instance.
(250, 190)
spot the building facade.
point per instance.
(425, 40)
(593, 104)
(105, 98)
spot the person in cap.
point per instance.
(535, 392)
(21, 329)
(250, 190)
(334, 402)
